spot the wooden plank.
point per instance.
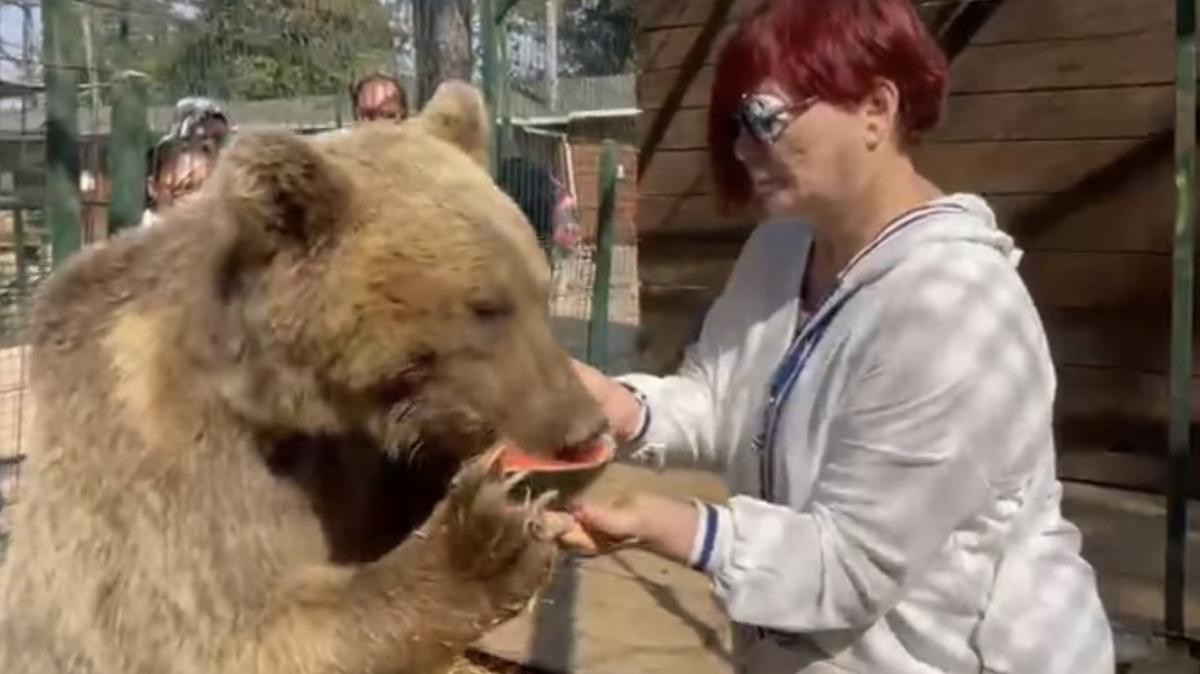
(711, 272)
(1091, 62)
(1028, 20)
(1015, 20)
(1138, 472)
(680, 279)
(658, 216)
(687, 130)
(669, 29)
(1096, 280)
(1137, 217)
(671, 319)
(1098, 466)
(1128, 338)
(665, 336)
(686, 262)
(654, 14)
(1133, 112)
(1101, 411)
(672, 173)
(667, 48)
(1000, 167)
(1030, 25)
(1115, 396)
(652, 88)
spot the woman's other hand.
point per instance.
(619, 405)
(663, 525)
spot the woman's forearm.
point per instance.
(669, 527)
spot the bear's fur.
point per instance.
(243, 411)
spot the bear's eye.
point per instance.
(490, 310)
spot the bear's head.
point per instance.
(379, 280)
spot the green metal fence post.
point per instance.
(489, 71)
(127, 146)
(597, 340)
(20, 243)
(129, 136)
(1179, 436)
(492, 39)
(63, 61)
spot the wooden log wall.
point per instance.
(1060, 113)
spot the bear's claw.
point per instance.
(489, 533)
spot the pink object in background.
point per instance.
(566, 227)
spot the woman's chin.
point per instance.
(778, 203)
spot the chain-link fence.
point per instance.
(561, 77)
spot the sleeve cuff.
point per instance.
(644, 414)
(712, 537)
(646, 446)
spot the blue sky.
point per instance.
(10, 36)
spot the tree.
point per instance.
(597, 37)
(256, 49)
(442, 33)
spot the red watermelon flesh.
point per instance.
(583, 457)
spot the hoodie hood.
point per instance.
(955, 218)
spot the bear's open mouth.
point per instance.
(585, 456)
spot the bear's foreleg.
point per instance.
(478, 560)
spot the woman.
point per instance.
(874, 383)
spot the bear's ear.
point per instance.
(456, 113)
(278, 187)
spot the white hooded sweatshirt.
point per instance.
(911, 523)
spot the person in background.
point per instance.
(378, 96)
(199, 118)
(874, 382)
(178, 167)
(566, 217)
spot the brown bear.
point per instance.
(243, 410)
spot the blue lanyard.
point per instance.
(805, 343)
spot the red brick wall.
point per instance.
(585, 159)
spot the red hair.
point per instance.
(831, 49)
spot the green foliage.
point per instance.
(597, 37)
(253, 49)
(279, 48)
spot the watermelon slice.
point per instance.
(583, 457)
(569, 472)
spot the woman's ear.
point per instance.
(881, 111)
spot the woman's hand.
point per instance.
(620, 407)
(663, 525)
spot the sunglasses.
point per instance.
(765, 117)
